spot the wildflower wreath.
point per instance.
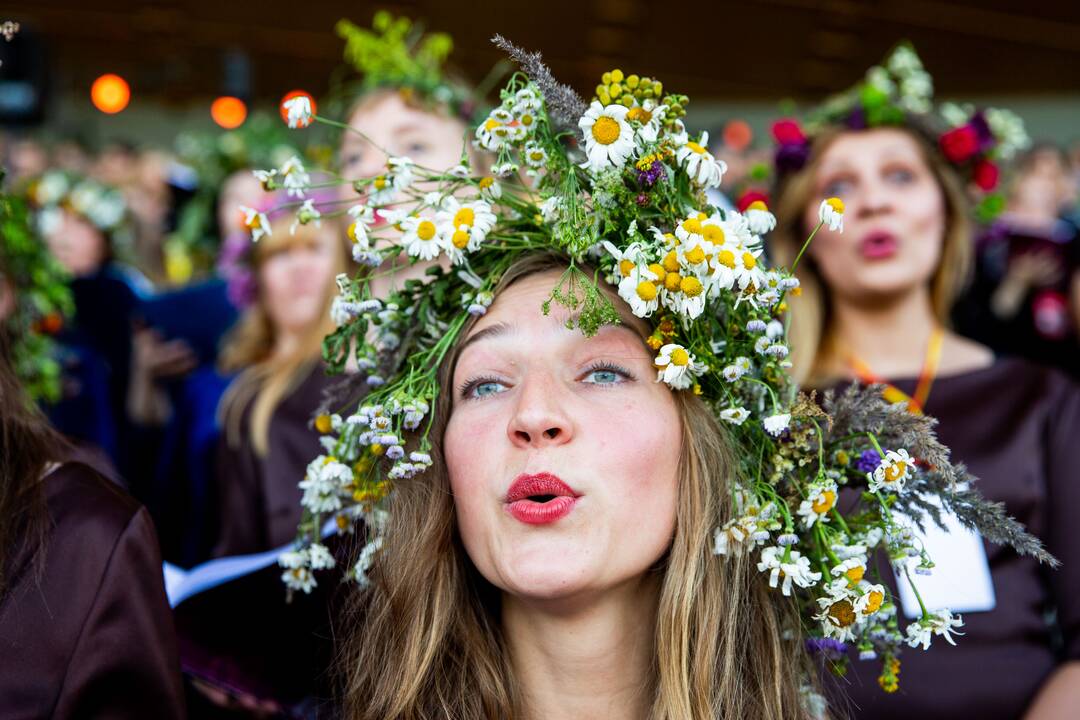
(618, 184)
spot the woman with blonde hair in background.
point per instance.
(874, 308)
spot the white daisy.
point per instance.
(256, 222)
(677, 367)
(609, 139)
(759, 218)
(382, 191)
(294, 178)
(871, 600)
(649, 116)
(853, 569)
(299, 578)
(731, 536)
(362, 213)
(320, 557)
(299, 111)
(306, 215)
(700, 164)
(775, 425)
(421, 238)
(795, 569)
(838, 617)
(819, 502)
(465, 225)
(535, 155)
(640, 291)
(941, 623)
(735, 415)
(891, 472)
(831, 213)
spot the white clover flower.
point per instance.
(941, 623)
(820, 500)
(775, 425)
(609, 139)
(795, 569)
(421, 238)
(299, 111)
(831, 213)
(677, 366)
(699, 163)
(320, 557)
(256, 222)
(735, 415)
(465, 225)
(891, 472)
(758, 218)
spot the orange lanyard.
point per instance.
(893, 394)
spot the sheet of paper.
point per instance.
(960, 579)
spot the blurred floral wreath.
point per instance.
(40, 300)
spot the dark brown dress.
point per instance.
(260, 497)
(90, 635)
(1017, 428)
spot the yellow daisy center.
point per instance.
(672, 281)
(692, 225)
(536, 155)
(713, 233)
(695, 147)
(464, 216)
(824, 502)
(254, 223)
(351, 232)
(425, 230)
(646, 290)
(670, 239)
(726, 258)
(875, 601)
(855, 574)
(640, 114)
(895, 471)
(695, 256)
(380, 182)
(626, 267)
(691, 286)
(671, 261)
(757, 205)
(329, 459)
(605, 130)
(491, 124)
(659, 271)
(322, 424)
(487, 182)
(680, 357)
(460, 239)
(749, 261)
(377, 449)
(841, 613)
(526, 120)
(836, 204)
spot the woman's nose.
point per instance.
(540, 417)
(873, 198)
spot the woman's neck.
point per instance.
(587, 660)
(286, 343)
(889, 337)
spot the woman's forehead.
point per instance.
(869, 148)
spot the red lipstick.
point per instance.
(878, 245)
(540, 499)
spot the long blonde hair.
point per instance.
(809, 333)
(425, 641)
(265, 379)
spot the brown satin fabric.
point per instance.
(1017, 427)
(91, 636)
(259, 497)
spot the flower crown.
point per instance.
(55, 190)
(42, 300)
(900, 92)
(618, 184)
(395, 53)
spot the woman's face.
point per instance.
(294, 279)
(76, 244)
(428, 139)
(533, 399)
(894, 216)
(240, 188)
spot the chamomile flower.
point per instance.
(891, 472)
(319, 557)
(940, 623)
(775, 425)
(871, 600)
(748, 269)
(293, 177)
(816, 507)
(465, 225)
(421, 238)
(299, 111)
(306, 215)
(677, 367)
(729, 538)
(831, 213)
(853, 569)
(265, 178)
(401, 172)
(700, 164)
(793, 567)
(649, 116)
(490, 189)
(758, 218)
(300, 578)
(535, 155)
(838, 617)
(362, 213)
(609, 139)
(640, 291)
(383, 191)
(626, 260)
(735, 415)
(256, 222)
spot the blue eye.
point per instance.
(605, 374)
(900, 176)
(478, 388)
(837, 188)
(484, 389)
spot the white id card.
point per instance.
(960, 579)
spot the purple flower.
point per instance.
(857, 119)
(649, 176)
(792, 157)
(983, 133)
(868, 461)
(827, 647)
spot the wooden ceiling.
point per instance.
(174, 50)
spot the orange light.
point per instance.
(110, 93)
(289, 96)
(738, 135)
(228, 112)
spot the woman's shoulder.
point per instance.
(78, 494)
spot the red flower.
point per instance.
(959, 144)
(787, 132)
(749, 197)
(986, 175)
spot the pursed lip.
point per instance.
(539, 484)
(878, 244)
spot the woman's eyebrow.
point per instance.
(487, 333)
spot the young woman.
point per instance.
(874, 308)
(617, 610)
